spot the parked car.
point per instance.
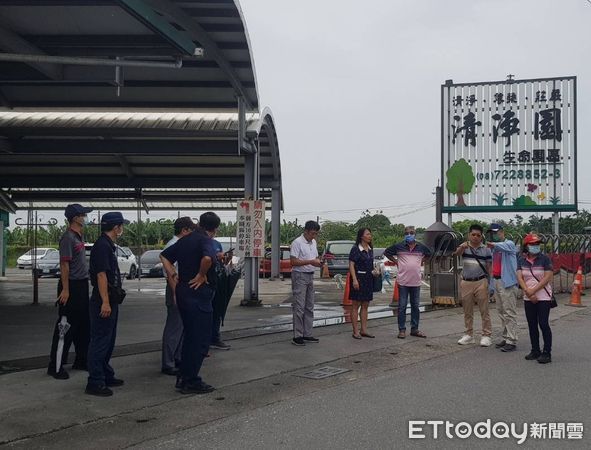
(26, 261)
(284, 263)
(336, 256)
(49, 263)
(150, 264)
(125, 259)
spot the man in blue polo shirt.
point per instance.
(504, 283)
(104, 310)
(411, 255)
(194, 287)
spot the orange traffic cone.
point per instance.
(325, 273)
(346, 300)
(575, 297)
(395, 295)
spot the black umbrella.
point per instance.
(226, 283)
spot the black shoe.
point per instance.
(115, 382)
(197, 388)
(298, 341)
(179, 383)
(99, 391)
(509, 348)
(311, 339)
(220, 345)
(172, 371)
(545, 358)
(501, 344)
(61, 375)
(533, 355)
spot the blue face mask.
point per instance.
(409, 238)
(533, 249)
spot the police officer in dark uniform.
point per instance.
(194, 286)
(72, 292)
(104, 309)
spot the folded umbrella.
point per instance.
(63, 328)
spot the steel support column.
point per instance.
(251, 191)
(275, 233)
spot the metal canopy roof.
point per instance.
(166, 137)
(166, 160)
(146, 30)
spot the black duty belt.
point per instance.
(482, 277)
(497, 277)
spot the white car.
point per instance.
(26, 261)
(125, 259)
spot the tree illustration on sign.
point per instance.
(554, 200)
(499, 199)
(460, 180)
(524, 200)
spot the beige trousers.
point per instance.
(475, 292)
(507, 307)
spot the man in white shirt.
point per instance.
(304, 259)
(173, 330)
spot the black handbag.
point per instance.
(377, 283)
(116, 294)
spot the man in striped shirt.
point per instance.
(477, 261)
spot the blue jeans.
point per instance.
(414, 292)
(102, 341)
(196, 310)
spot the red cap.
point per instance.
(531, 238)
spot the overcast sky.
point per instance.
(355, 90)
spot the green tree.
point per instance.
(334, 231)
(460, 180)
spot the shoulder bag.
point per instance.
(553, 302)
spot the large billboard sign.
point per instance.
(509, 145)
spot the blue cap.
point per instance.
(494, 227)
(113, 218)
(74, 210)
(217, 246)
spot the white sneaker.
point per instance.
(485, 341)
(466, 339)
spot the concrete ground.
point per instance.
(262, 401)
(27, 329)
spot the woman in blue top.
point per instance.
(361, 271)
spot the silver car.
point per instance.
(336, 256)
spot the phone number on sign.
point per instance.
(536, 174)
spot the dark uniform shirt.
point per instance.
(103, 259)
(72, 250)
(188, 251)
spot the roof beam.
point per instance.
(155, 22)
(99, 146)
(199, 34)
(12, 43)
(112, 182)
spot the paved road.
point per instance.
(472, 385)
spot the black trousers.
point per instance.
(76, 312)
(196, 312)
(537, 316)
